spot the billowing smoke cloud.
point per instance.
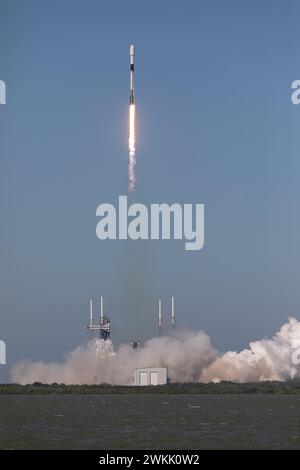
(189, 357)
(185, 355)
(268, 359)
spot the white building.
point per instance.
(150, 376)
(2, 352)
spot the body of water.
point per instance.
(150, 421)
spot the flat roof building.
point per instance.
(150, 376)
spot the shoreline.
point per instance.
(249, 388)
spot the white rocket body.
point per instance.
(101, 310)
(132, 53)
(173, 312)
(159, 318)
(91, 313)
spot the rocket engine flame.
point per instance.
(132, 161)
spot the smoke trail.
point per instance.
(189, 357)
(131, 141)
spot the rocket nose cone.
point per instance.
(131, 49)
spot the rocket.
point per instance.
(132, 97)
(159, 318)
(172, 312)
(131, 139)
(101, 311)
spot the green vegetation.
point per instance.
(291, 387)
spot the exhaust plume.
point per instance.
(132, 161)
(189, 357)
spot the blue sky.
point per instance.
(215, 125)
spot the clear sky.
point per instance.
(215, 125)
